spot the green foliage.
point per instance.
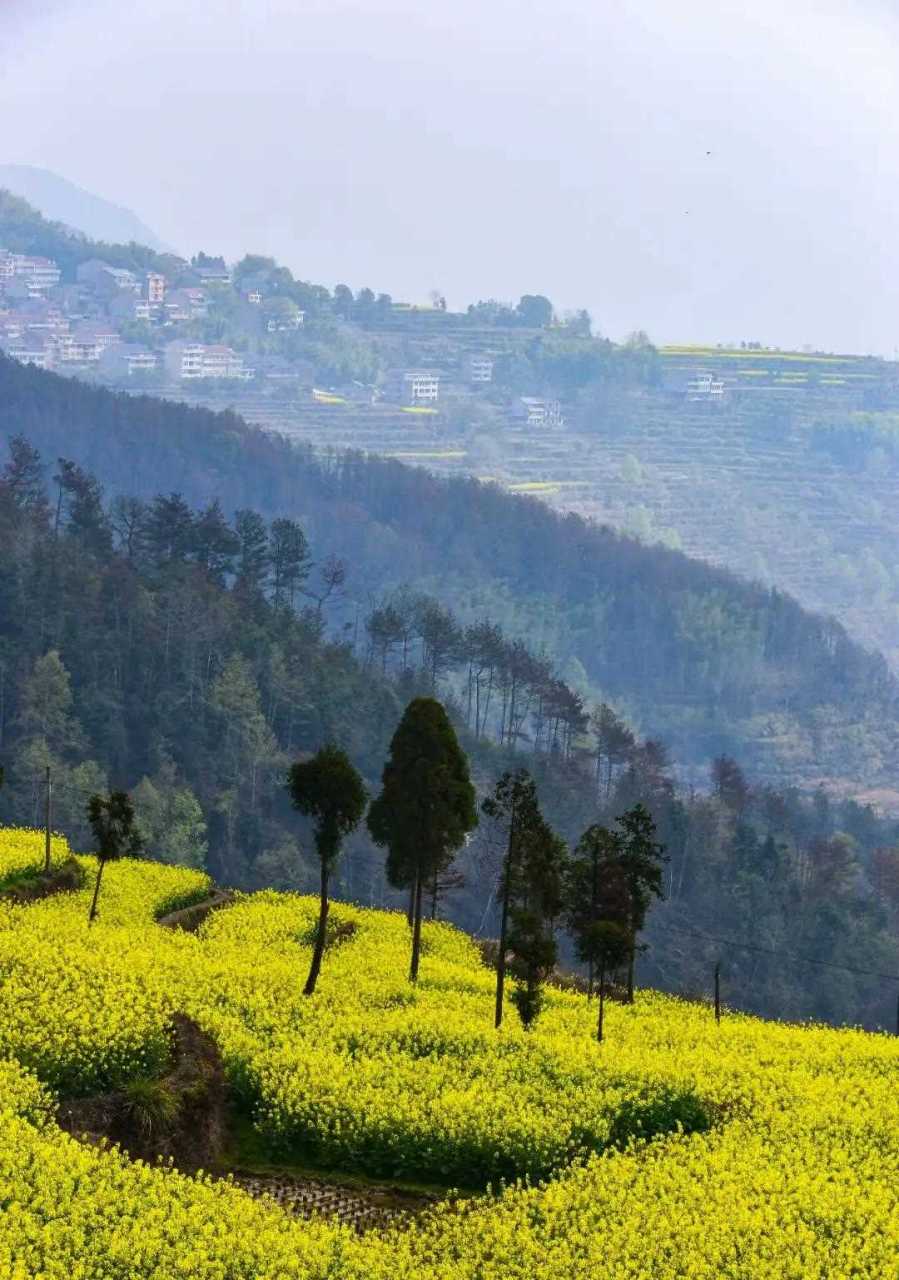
(112, 821)
(329, 790)
(115, 834)
(170, 820)
(24, 230)
(666, 1111)
(426, 806)
(150, 1106)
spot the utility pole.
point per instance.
(48, 814)
(717, 991)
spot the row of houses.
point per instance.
(423, 386)
(22, 275)
(84, 325)
(99, 347)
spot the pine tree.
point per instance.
(513, 805)
(642, 859)
(290, 560)
(532, 917)
(597, 907)
(594, 892)
(328, 789)
(426, 807)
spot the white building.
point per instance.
(480, 369)
(184, 304)
(107, 280)
(38, 275)
(705, 387)
(127, 359)
(189, 361)
(414, 387)
(538, 412)
(128, 306)
(32, 349)
(155, 287)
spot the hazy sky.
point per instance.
(703, 169)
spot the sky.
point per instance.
(706, 170)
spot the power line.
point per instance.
(780, 955)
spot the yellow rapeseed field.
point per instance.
(791, 1169)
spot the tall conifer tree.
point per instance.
(328, 789)
(426, 807)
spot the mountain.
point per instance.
(24, 230)
(688, 653)
(62, 201)
(187, 657)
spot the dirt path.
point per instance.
(190, 918)
(362, 1208)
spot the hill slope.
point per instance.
(62, 201)
(177, 655)
(24, 230)
(690, 653)
(796, 1176)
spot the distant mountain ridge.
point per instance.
(60, 200)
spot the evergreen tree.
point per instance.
(253, 561)
(642, 859)
(426, 807)
(289, 559)
(170, 820)
(597, 907)
(330, 791)
(23, 477)
(115, 834)
(594, 892)
(80, 511)
(532, 916)
(513, 806)
(610, 945)
(169, 530)
(214, 543)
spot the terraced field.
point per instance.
(740, 483)
(676, 1148)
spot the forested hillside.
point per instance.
(188, 656)
(686, 652)
(24, 230)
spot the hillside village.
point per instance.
(205, 323)
(251, 330)
(735, 453)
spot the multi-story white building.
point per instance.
(414, 386)
(538, 412)
(32, 349)
(107, 280)
(155, 283)
(128, 306)
(184, 304)
(193, 360)
(127, 360)
(38, 275)
(705, 387)
(480, 369)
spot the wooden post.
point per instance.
(48, 815)
(717, 991)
